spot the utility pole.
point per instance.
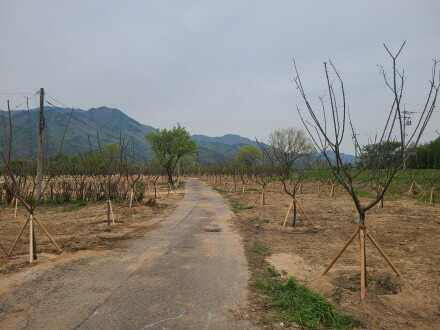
(406, 122)
(41, 126)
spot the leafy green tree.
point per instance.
(427, 156)
(381, 155)
(170, 146)
(249, 156)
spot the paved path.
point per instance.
(179, 276)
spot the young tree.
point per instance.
(329, 131)
(249, 156)
(170, 146)
(287, 147)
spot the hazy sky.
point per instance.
(216, 67)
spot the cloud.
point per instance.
(216, 67)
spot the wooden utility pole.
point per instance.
(41, 126)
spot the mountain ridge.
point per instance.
(88, 129)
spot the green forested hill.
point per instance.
(111, 125)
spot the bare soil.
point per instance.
(76, 228)
(407, 231)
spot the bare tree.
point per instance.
(328, 128)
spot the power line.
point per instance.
(95, 122)
(16, 93)
(84, 123)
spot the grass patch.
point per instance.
(221, 191)
(237, 207)
(296, 303)
(257, 219)
(73, 206)
(261, 249)
(364, 193)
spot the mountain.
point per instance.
(86, 129)
(221, 148)
(344, 157)
(229, 139)
(98, 126)
(112, 125)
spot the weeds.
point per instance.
(73, 206)
(261, 249)
(221, 191)
(257, 219)
(296, 303)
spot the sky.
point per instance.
(218, 67)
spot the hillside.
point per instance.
(112, 125)
(81, 134)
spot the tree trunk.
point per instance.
(170, 175)
(294, 213)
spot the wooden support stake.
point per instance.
(16, 207)
(48, 235)
(393, 199)
(31, 239)
(421, 190)
(257, 198)
(384, 255)
(99, 212)
(410, 190)
(18, 237)
(431, 197)
(160, 195)
(332, 191)
(426, 193)
(111, 211)
(304, 212)
(340, 252)
(131, 197)
(6, 252)
(288, 212)
(363, 265)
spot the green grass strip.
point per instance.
(296, 303)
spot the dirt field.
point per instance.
(407, 231)
(73, 229)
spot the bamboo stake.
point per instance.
(340, 252)
(48, 235)
(384, 255)
(431, 197)
(18, 237)
(363, 266)
(288, 211)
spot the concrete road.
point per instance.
(187, 274)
